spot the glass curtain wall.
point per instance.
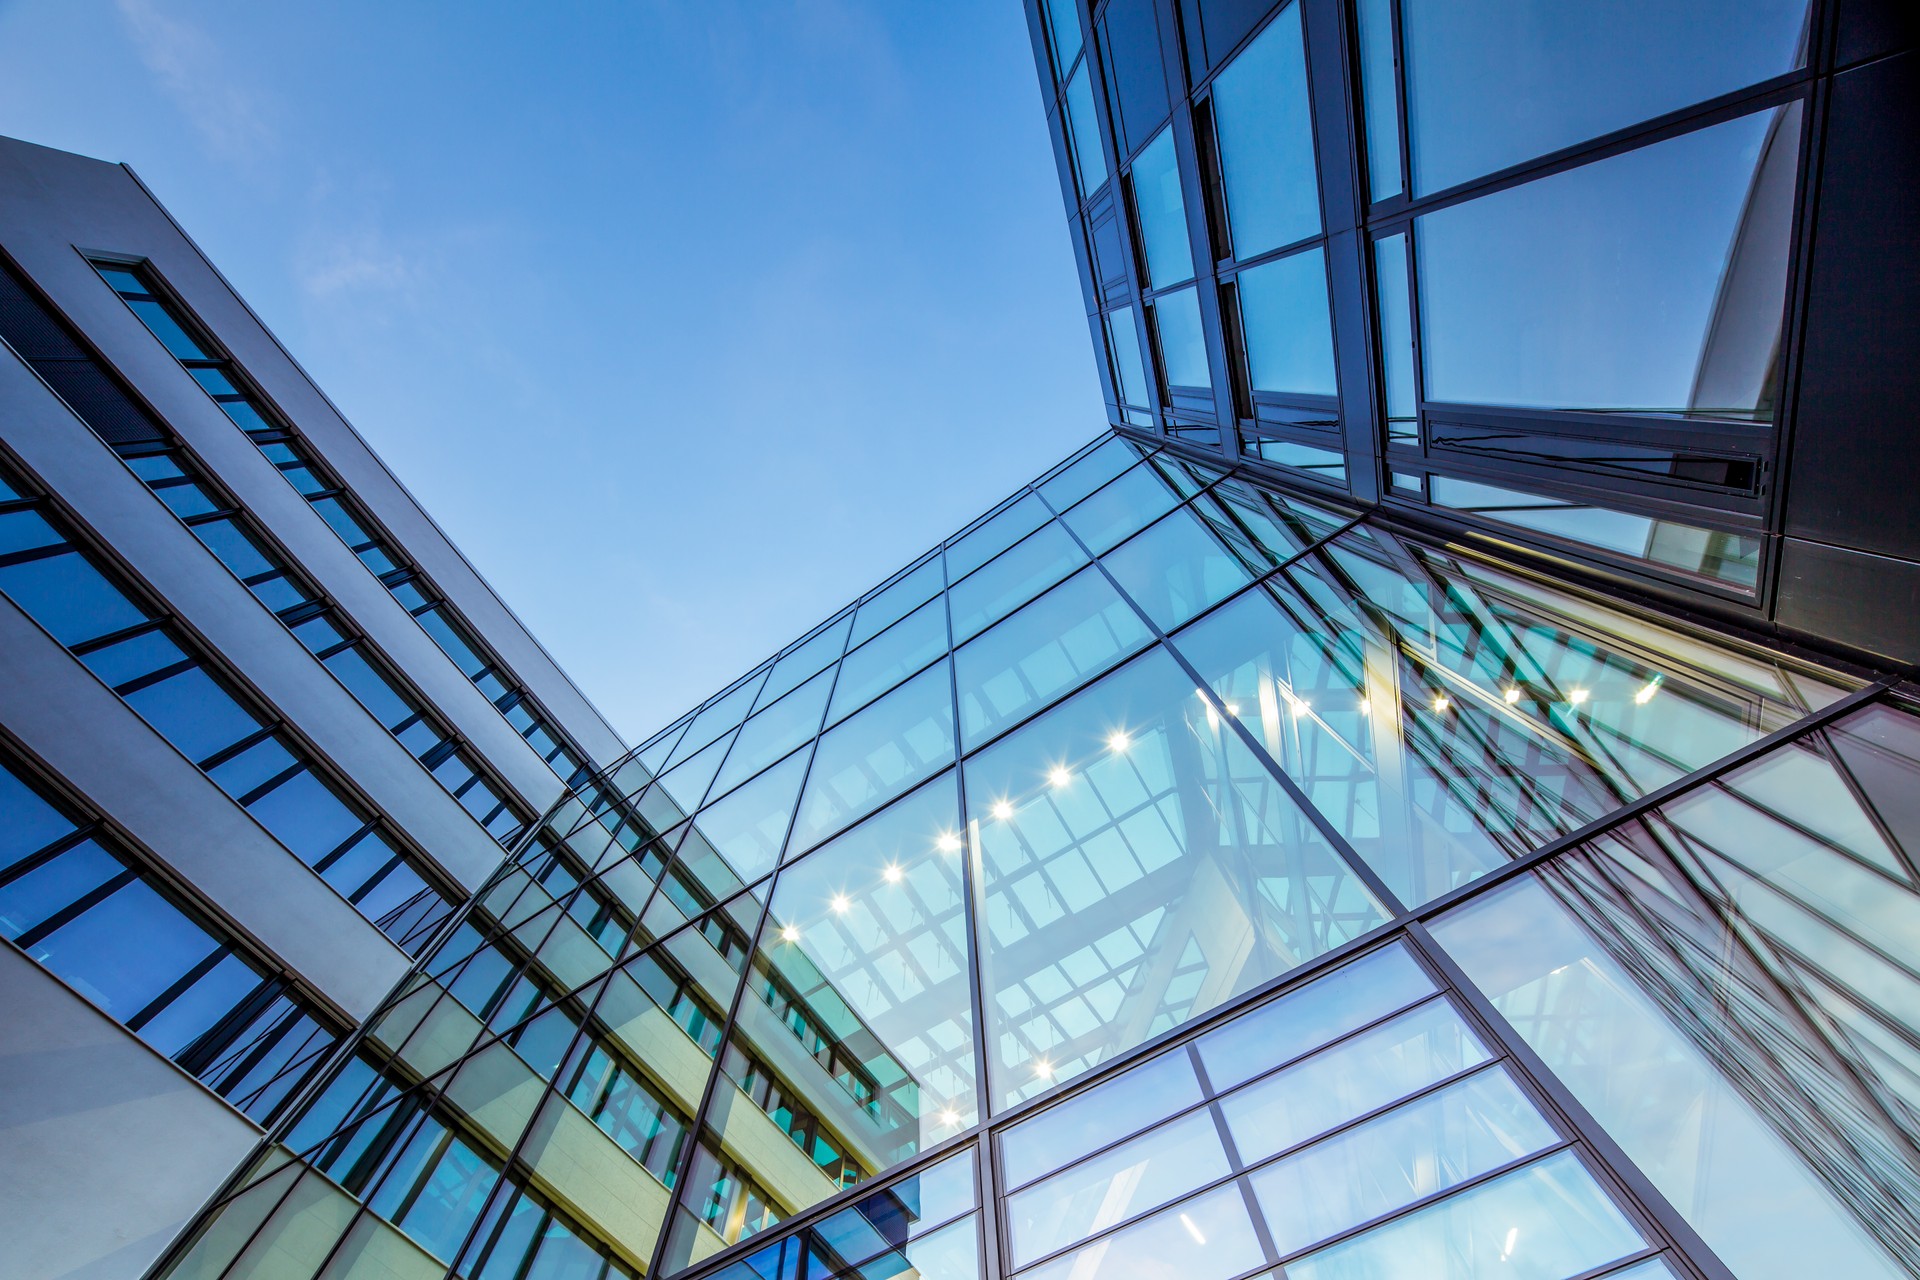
(1169, 875)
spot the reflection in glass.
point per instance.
(1109, 1188)
(1498, 82)
(1138, 867)
(1129, 1102)
(873, 756)
(1433, 1143)
(1416, 1049)
(994, 534)
(1648, 282)
(1129, 371)
(1547, 1221)
(890, 657)
(1381, 97)
(1288, 328)
(1265, 131)
(853, 1047)
(806, 658)
(1209, 1237)
(1121, 507)
(1183, 346)
(1089, 471)
(896, 600)
(1743, 967)
(1163, 213)
(1066, 637)
(1445, 715)
(747, 828)
(1731, 558)
(774, 731)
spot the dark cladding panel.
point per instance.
(1859, 384)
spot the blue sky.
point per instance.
(688, 321)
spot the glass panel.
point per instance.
(893, 602)
(994, 534)
(193, 713)
(723, 713)
(1122, 507)
(1416, 1049)
(686, 784)
(1207, 1238)
(890, 657)
(1731, 558)
(1660, 976)
(1428, 1146)
(1378, 59)
(1176, 568)
(1492, 84)
(1265, 127)
(853, 1049)
(772, 733)
(1106, 1190)
(1547, 1221)
(65, 594)
(31, 823)
(1163, 213)
(748, 827)
(1322, 1011)
(1445, 716)
(1089, 471)
(1083, 127)
(1323, 465)
(1542, 295)
(1183, 346)
(806, 659)
(1106, 1113)
(1018, 575)
(1129, 371)
(873, 756)
(1138, 868)
(1395, 308)
(1058, 642)
(1289, 330)
(1063, 20)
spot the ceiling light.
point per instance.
(1299, 706)
(1647, 691)
(1577, 697)
(790, 934)
(1043, 1068)
(1003, 811)
(840, 904)
(1118, 741)
(948, 842)
(1059, 777)
(1192, 1230)
(949, 1117)
(1365, 707)
(1441, 702)
(1512, 696)
(892, 873)
(1233, 708)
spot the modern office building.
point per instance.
(1430, 795)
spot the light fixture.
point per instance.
(1043, 1068)
(840, 904)
(790, 934)
(1365, 707)
(1513, 1238)
(1059, 777)
(948, 842)
(1577, 696)
(1299, 706)
(1118, 741)
(1233, 708)
(1647, 691)
(949, 1117)
(1003, 811)
(1441, 702)
(1192, 1230)
(1512, 696)
(892, 873)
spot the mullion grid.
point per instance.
(1403, 921)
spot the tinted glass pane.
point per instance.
(1011, 580)
(1547, 1221)
(1183, 347)
(1650, 282)
(723, 713)
(1265, 129)
(869, 758)
(1109, 1188)
(1120, 508)
(1104, 1114)
(167, 329)
(388, 705)
(686, 784)
(234, 548)
(1496, 82)
(890, 657)
(193, 713)
(1138, 868)
(1129, 371)
(993, 535)
(123, 952)
(806, 659)
(1208, 1238)
(306, 816)
(1063, 21)
(69, 597)
(1064, 638)
(895, 601)
(1395, 309)
(775, 731)
(1083, 127)
(1163, 214)
(1176, 568)
(1089, 471)
(1283, 310)
(1382, 98)
(31, 823)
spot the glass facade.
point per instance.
(1169, 875)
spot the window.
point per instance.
(1162, 213)
(1287, 327)
(1265, 132)
(1183, 344)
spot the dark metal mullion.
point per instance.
(147, 1012)
(1231, 1147)
(1615, 1167)
(697, 1125)
(1356, 865)
(78, 907)
(81, 834)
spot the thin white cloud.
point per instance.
(191, 71)
(359, 262)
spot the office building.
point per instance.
(1428, 794)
